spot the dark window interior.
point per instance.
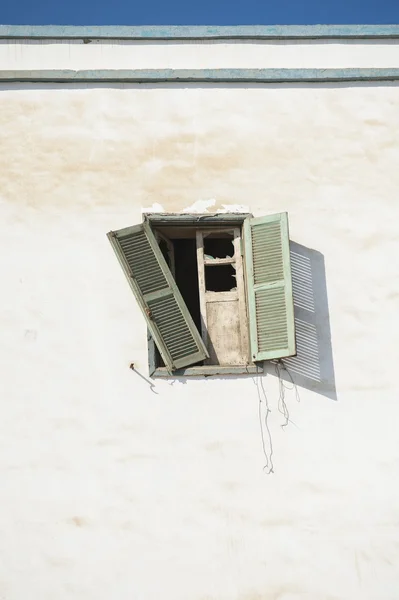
(220, 279)
(217, 278)
(187, 276)
(163, 246)
(219, 247)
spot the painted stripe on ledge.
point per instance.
(201, 75)
(261, 32)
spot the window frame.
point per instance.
(156, 221)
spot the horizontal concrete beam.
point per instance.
(170, 32)
(201, 75)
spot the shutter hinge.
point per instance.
(148, 313)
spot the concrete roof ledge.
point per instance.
(188, 32)
(201, 76)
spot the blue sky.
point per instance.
(194, 12)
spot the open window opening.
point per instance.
(219, 245)
(215, 290)
(181, 257)
(204, 265)
(186, 275)
(219, 261)
(221, 278)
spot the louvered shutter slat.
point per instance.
(167, 316)
(269, 287)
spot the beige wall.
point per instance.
(111, 489)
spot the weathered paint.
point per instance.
(156, 283)
(289, 32)
(208, 371)
(201, 76)
(108, 477)
(267, 252)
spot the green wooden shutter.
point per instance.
(167, 316)
(269, 287)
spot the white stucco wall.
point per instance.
(113, 489)
(206, 54)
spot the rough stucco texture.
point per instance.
(113, 489)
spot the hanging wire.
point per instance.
(293, 384)
(264, 425)
(152, 386)
(264, 410)
(282, 405)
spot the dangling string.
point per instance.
(282, 405)
(294, 385)
(264, 425)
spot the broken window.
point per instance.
(215, 289)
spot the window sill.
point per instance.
(208, 371)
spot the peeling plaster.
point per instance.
(233, 208)
(155, 208)
(201, 206)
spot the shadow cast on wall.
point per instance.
(313, 367)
